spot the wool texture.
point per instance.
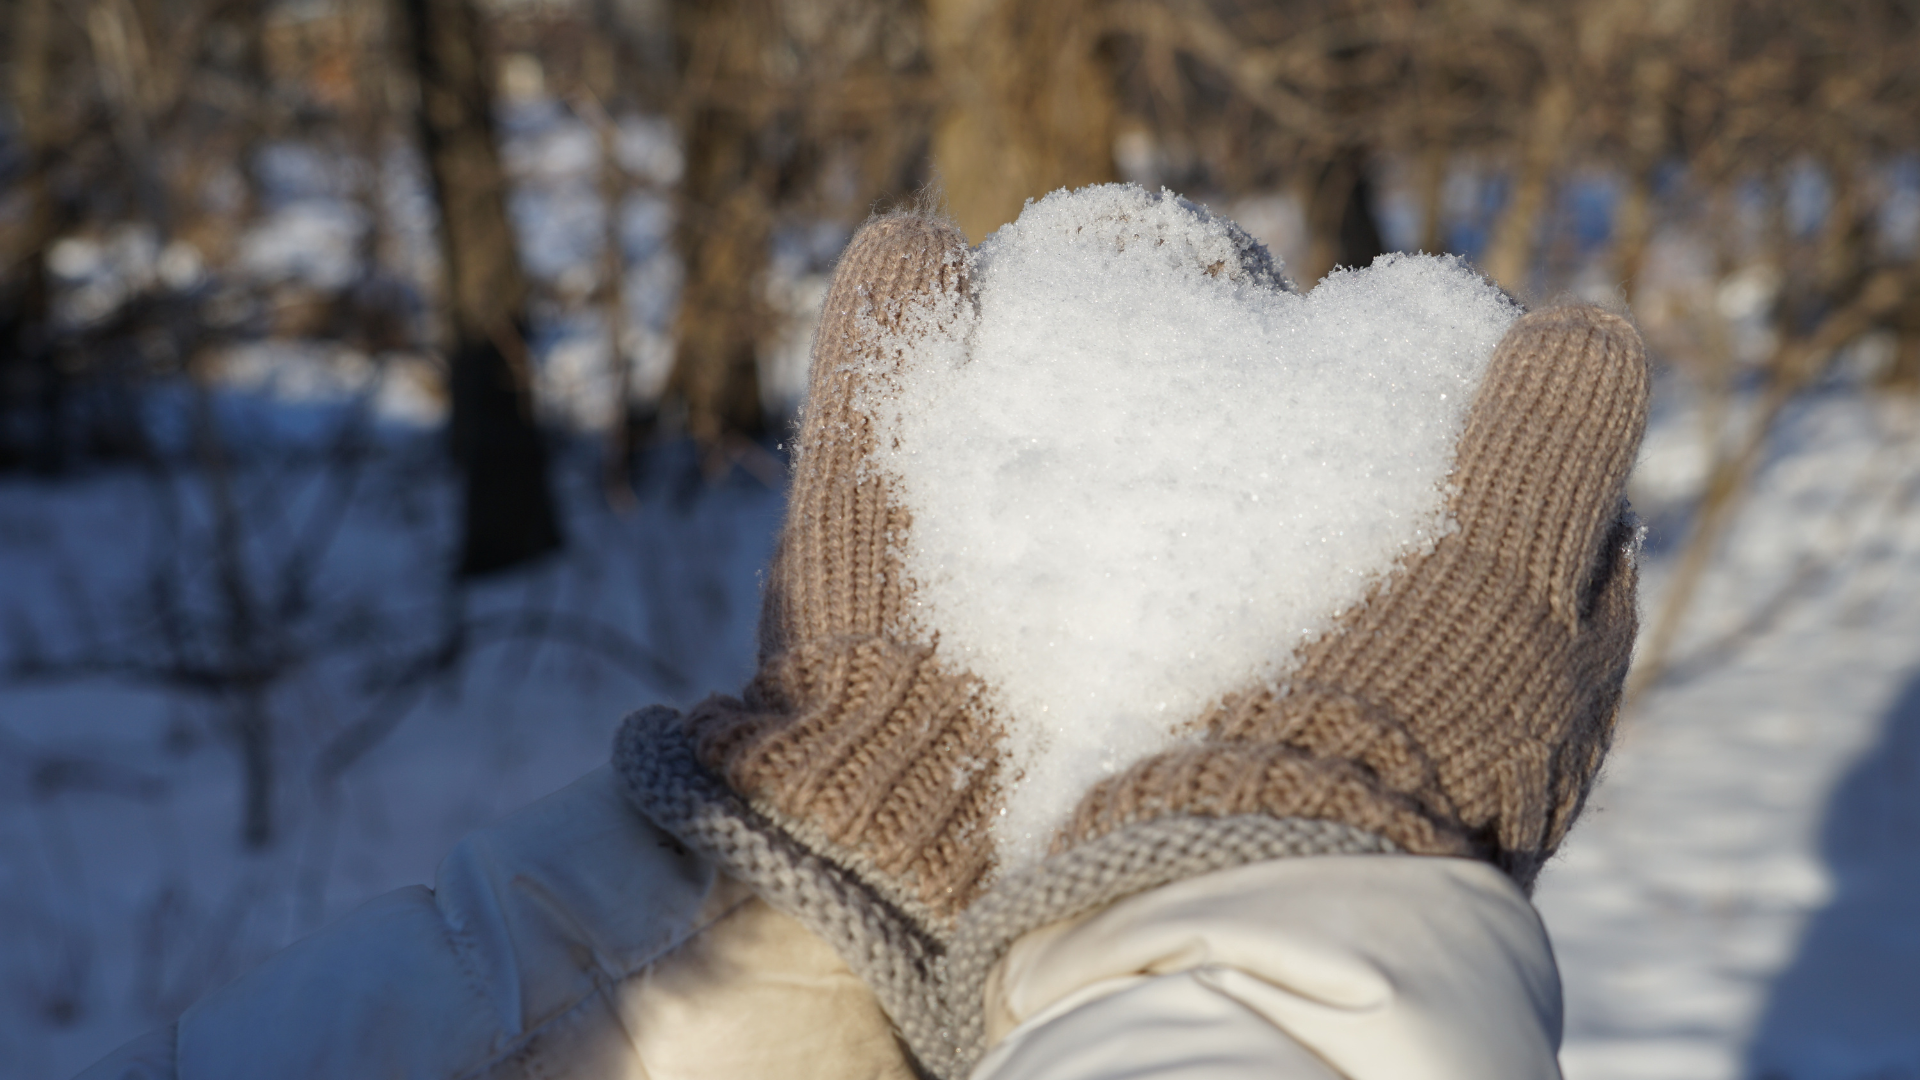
(860, 743)
(932, 983)
(1462, 709)
(1465, 706)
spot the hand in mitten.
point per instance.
(851, 782)
(902, 761)
(1464, 706)
(852, 737)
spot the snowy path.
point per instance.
(1719, 913)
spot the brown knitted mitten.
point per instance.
(857, 743)
(853, 782)
(1464, 708)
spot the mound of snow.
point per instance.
(1142, 472)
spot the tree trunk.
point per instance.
(1646, 138)
(599, 96)
(1903, 374)
(1342, 228)
(725, 214)
(1432, 188)
(1030, 105)
(509, 513)
(30, 382)
(1509, 256)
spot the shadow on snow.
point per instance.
(1848, 1006)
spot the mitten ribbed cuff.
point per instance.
(931, 979)
(853, 735)
(875, 756)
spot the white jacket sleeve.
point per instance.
(1326, 968)
(529, 924)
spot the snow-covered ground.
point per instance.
(1739, 900)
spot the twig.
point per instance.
(1797, 364)
(1812, 567)
(616, 480)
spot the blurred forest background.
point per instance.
(364, 362)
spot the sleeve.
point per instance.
(1325, 968)
(513, 953)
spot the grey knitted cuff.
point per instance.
(1132, 860)
(897, 957)
(932, 984)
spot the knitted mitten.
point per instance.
(1465, 706)
(850, 784)
(849, 737)
(1462, 709)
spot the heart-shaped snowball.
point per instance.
(1142, 473)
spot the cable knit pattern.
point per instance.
(1465, 706)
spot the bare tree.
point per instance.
(1028, 104)
(509, 511)
(725, 218)
(787, 108)
(1761, 134)
(30, 381)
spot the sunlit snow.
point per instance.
(1144, 471)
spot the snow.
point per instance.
(313, 240)
(123, 885)
(1145, 473)
(1738, 901)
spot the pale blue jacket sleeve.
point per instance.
(515, 950)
